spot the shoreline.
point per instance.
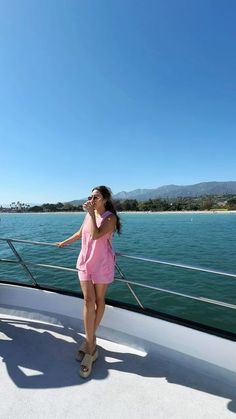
(179, 212)
(127, 212)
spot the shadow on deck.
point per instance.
(36, 355)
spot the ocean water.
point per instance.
(200, 239)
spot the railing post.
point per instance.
(21, 261)
(129, 286)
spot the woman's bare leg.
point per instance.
(89, 312)
(100, 292)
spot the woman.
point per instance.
(95, 264)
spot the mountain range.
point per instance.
(175, 191)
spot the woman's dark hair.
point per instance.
(109, 205)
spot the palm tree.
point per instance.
(13, 206)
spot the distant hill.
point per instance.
(77, 202)
(175, 191)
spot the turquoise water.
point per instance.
(203, 240)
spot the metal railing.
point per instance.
(123, 279)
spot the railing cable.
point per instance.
(123, 278)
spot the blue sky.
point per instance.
(129, 93)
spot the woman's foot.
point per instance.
(81, 351)
(84, 348)
(87, 363)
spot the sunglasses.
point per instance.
(91, 198)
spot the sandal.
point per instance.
(87, 362)
(81, 351)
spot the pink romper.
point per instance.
(96, 261)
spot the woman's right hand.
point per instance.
(89, 207)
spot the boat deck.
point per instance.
(39, 376)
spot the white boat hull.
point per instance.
(123, 325)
